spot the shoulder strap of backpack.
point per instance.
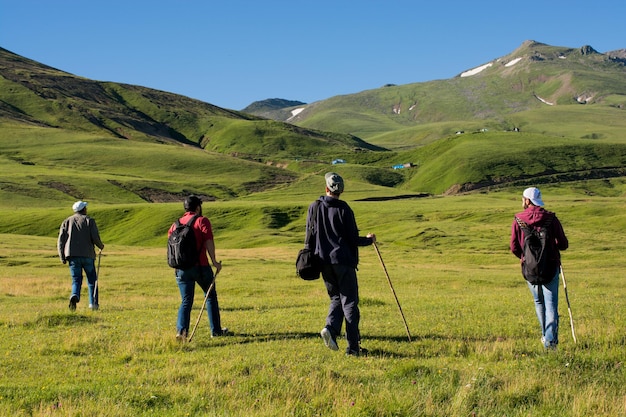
(525, 226)
(192, 220)
(521, 223)
(309, 232)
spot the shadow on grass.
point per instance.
(60, 320)
(423, 346)
(248, 338)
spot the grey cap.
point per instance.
(334, 182)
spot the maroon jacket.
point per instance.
(535, 216)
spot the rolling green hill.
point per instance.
(498, 95)
(516, 120)
(35, 94)
(134, 153)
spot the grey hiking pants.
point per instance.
(343, 290)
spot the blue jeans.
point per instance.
(546, 298)
(77, 265)
(343, 290)
(187, 279)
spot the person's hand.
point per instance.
(218, 267)
(64, 261)
(372, 236)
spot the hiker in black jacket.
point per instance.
(336, 244)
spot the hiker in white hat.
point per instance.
(537, 237)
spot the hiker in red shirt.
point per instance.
(201, 273)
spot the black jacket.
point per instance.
(336, 236)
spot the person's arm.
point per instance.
(95, 234)
(209, 245)
(62, 241)
(353, 231)
(514, 244)
(367, 240)
(559, 235)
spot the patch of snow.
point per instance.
(515, 61)
(294, 113)
(476, 70)
(544, 101)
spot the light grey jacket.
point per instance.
(77, 236)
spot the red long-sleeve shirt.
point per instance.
(203, 232)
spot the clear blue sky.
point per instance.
(231, 53)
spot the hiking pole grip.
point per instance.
(406, 326)
(569, 308)
(206, 297)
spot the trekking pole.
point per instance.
(95, 290)
(569, 309)
(206, 297)
(406, 326)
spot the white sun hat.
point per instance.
(79, 205)
(534, 195)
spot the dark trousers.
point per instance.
(343, 290)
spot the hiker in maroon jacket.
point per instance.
(546, 295)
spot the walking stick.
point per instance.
(406, 326)
(569, 309)
(206, 297)
(96, 301)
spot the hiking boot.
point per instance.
(329, 339)
(224, 332)
(360, 352)
(551, 346)
(181, 336)
(73, 301)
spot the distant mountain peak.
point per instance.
(587, 50)
(271, 104)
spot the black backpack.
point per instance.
(182, 249)
(536, 267)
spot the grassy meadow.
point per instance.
(475, 341)
(475, 347)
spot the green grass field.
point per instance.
(475, 348)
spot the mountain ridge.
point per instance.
(38, 94)
(532, 75)
(540, 113)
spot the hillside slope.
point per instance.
(36, 94)
(534, 76)
(64, 137)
